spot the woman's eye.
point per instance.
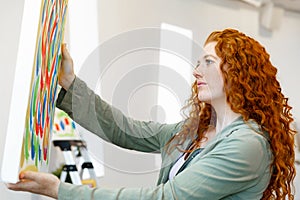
(209, 61)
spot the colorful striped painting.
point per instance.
(43, 89)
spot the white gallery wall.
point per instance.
(116, 17)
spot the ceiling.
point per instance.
(292, 5)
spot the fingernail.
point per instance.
(22, 176)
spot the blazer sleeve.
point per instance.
(91, 112)
(238, 168)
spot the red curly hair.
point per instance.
(253, 91)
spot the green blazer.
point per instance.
(234, 165)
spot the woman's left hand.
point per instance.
(38, 183)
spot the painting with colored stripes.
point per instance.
(64, 128)
(40, 87)
(41, 106)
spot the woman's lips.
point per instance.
(201, 83)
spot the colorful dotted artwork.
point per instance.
(43, 89)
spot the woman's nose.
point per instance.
(196, 72)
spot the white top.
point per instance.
(176, 167)
(178, 164)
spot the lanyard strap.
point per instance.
(193, 155)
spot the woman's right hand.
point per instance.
(38, 183)
(66, 73)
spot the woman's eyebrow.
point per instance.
(210, 55)
(206, 56)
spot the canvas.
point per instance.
(34, 89)
(64, 128)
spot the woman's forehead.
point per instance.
(209, 50)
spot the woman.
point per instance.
(235, 144)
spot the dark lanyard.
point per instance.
(193, 155)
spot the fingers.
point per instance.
(67, 61)
(65, 52)
(66, 73)
(37, 182)
(29, 175)
(21, 186)
(63, 46)
(12, 186)
(27, 181)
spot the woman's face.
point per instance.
(208, 75)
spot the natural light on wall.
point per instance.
(83, 38)
(169, 99)
(82, 31)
